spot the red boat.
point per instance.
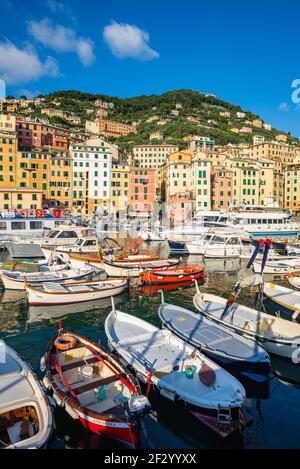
(173, 275)
(94, 387)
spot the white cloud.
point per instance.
(62, 39)
(283, 106)
(127, 40)
(60, 8)
(24, 65)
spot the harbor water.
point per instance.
(275, 412)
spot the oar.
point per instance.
(233, 296)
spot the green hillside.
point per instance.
(156, 113)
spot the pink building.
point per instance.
(142, 189)
(221, 187)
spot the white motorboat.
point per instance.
(277, 335)
(15, 280)
(281, 266)
(84, 245)
(61, 294)
(149, 235)
(219, 245)
(26, 420)
(179, 371)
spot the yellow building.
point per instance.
(60, 180)
(33, 170)
(12, 198)
(292, 188)
(8, 150)
(246, 180)
(119, 188)
(284, 153)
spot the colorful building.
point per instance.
(92, 162)
(17, 198)
(119, 188)
(221, 187)
(142, 189)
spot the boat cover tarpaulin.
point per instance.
(201, 332)
(24, 251)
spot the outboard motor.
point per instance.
(139, 406)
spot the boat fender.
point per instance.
(43, 364)
(207, 375)
(46, 383)
(264, 325)
(296, 314)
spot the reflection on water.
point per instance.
(28, 330)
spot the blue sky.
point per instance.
(244, 52)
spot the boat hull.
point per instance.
(38, 298)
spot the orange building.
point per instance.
(111, 128)
(142, 189)
(221, 187)
(37, 135)
(60, 191)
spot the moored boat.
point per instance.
(237, 354)
(94, 387)
(277, 335)
(293, 280)
(173, 275)
(279, 266)
(15, 280)
(129, 269)
(26, 420)
(285, 299)
(78, 292)
(178, 371)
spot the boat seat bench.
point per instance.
(96, 384)
(77, 364)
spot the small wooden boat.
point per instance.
(176, 369)
(277, 335)
(293, 280)
(127, 269)
(94, 387)
(153, 290)
(97, 261)
(285, 299)
(237, 354)
(56, 294)
(172, 275)
(280, 266)
(26, 420)
(15, 280)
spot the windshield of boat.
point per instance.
(52, 234)
(79, 242)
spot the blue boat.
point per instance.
(177, 246)
(235, 353)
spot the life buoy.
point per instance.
(56, 213)
(39, 213)
(65, 342)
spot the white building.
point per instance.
(258, 139)
(92, 162)
(268, 126)
(240, 115)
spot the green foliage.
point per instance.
(206, 109)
